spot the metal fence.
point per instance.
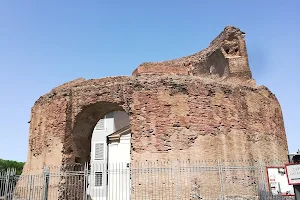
(166, 180)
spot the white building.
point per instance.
(110, 158)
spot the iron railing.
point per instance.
(165, 180)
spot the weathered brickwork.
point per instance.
(210, 108)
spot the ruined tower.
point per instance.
(202, 106)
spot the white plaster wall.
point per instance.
(112, 122)
(119, 159)
(117, 154)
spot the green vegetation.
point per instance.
(10, 164)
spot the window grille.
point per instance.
(98, 179)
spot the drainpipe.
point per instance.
(107, 142)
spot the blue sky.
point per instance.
(46, 43)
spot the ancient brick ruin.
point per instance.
(203, 106)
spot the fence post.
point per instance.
(45, 183)
(176, 178)
(7, 178)
(29, 188)
(220, 168)
(85, 181)
(262, 176)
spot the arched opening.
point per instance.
(102, 138)
(217, 64)
(86, 127)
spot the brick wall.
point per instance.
(171, 117)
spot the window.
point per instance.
(98, 179)
(99, 151)
(100, 125)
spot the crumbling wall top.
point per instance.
(225, 57)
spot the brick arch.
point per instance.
(88, 102)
